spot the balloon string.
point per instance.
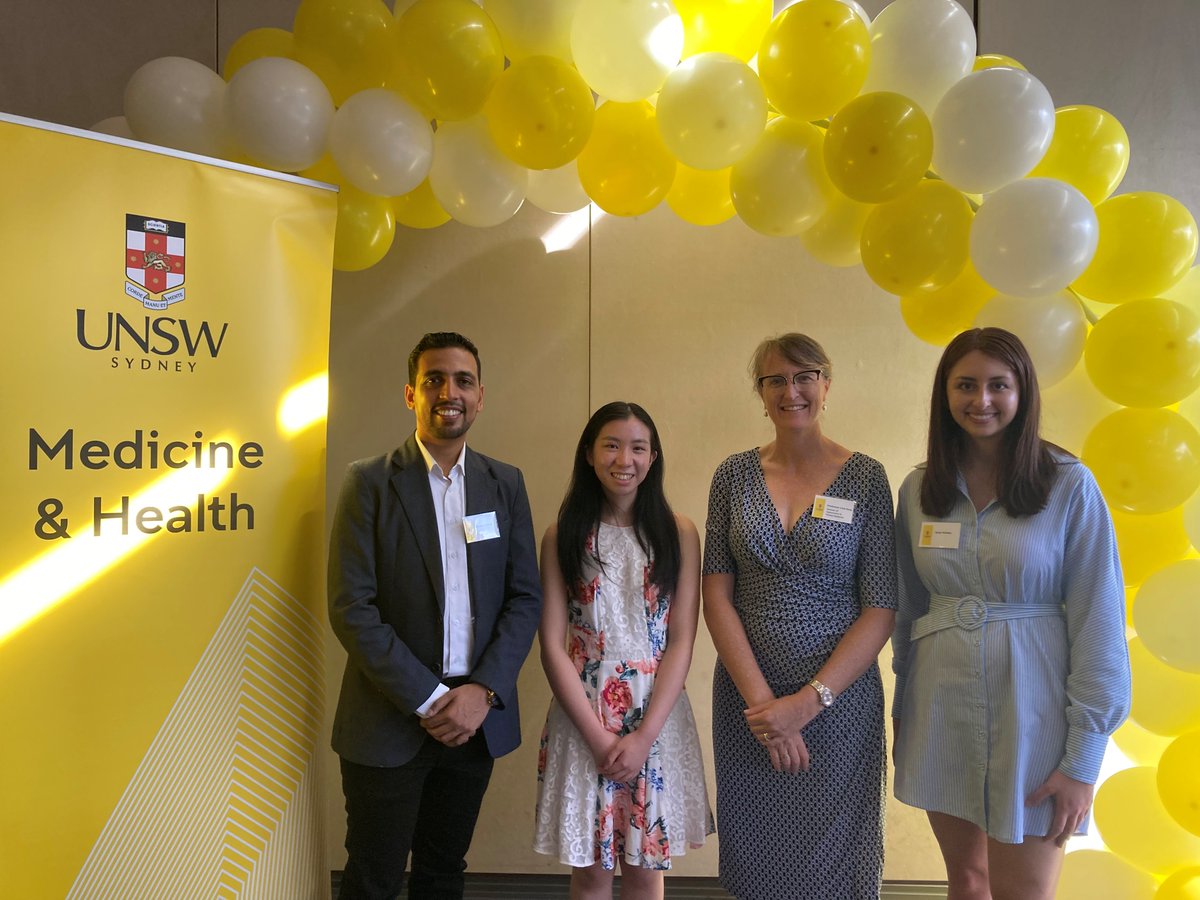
(1087, 311)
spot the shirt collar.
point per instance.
(431, 465)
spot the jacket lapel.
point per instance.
(410, 483)
(483, 495)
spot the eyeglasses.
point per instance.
(779, 382)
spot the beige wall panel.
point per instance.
(528, 313)
(67, 62)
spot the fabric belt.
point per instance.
(970, 613)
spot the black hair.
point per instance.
(439, 340)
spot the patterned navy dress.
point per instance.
(817, 834)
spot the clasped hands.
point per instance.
(455, 716)
(776, 724)
(620, 758)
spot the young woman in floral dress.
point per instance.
(620, 776)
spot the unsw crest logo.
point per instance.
(154, 261)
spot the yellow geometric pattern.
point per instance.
(225, 803)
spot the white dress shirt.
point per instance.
(449, 504)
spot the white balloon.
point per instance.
(534, 27)
(117, 126)
(625, 50)
(711, 110)
(781, 188)
(1033, 237)
(991, 128)
(381, 144)
(557, 190)
(178, 102)
(472, 180)
(919, 48)
(859, 11)
(279, 112)
(1053, 330)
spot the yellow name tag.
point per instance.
(940, 535)
(834, 508)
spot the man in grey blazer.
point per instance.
(434, 593)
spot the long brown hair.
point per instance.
(1027, 469)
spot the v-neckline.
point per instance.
(762, 477)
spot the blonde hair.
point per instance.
(797, 348)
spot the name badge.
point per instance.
(940, 535)
(834, 508)
(481, 527)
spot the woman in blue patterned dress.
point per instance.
(1010, 656)
(799, 590)
(620, 776)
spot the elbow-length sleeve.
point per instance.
(912, 595)
(718, 557)
(1098, 679)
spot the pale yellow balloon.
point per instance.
(1167, 614)
(1089, 151)
(625, 50)
(991, 60)
(1145, 460)
(1142, 747)
(1135, 825)
(711, 111)
(735, 27)
(1149, 543)
(919, 241)
(836, 237)
(701, 197)
(1179, 782)
(781, 187)
(937, 316)
(1166, 700)
(1092, 874)
(534, 27)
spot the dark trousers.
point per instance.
(429, 806)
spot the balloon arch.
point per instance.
(951, 178)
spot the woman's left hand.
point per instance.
(1072, 800)
(783, 715)
(626, 757)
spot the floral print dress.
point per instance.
(617, 631)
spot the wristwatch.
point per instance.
(823, 692)
(493, 702)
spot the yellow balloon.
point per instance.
(919, 241)
(878, 146)
(836, 237)
(1179, 782)
(1146, 460)
(1167, 614)
(365, 230)
(735, 27)
(1091, 874)
(781, 188)
(1142, 747)
(1187, 291)
(1181, 885)
(1134, 824)
(937, 316)
(255, 44)
(701, 196)
(1148, 543)
(324, 169)
(1164, 335)
(350, 44)
(419, 208)
(625, 167)
(450, 57)
(1166, 700)
(991, 60)
(1147, 243)
(814, 58)
(540, 113)
(1089, 150)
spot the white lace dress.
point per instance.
(617, 631)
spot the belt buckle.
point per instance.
(970, 613)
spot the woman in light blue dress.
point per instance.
(1009, 652)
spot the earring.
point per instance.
(824, 407)
(764, 411)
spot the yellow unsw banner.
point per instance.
(163, 385)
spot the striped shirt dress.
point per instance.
(1009, 652)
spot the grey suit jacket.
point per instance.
(386, 600)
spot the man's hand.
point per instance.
(456, 715)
